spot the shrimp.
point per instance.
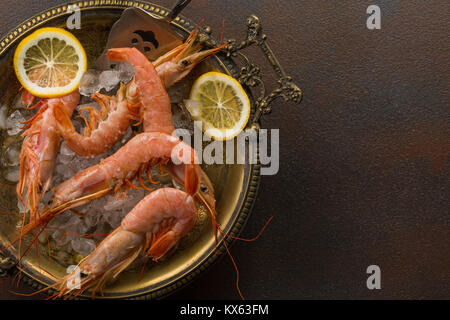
(114, 174)
(153, 78)
(154, 101)
(154, 225)
(40, 147)
(113, 120)
(156, 109)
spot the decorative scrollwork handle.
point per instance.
(250, 73)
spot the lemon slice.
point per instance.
(50, 62)
(220, 102)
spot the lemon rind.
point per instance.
(223, 134)
(47, 92)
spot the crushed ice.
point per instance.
(14, 123)
(95, 80)
(3, 117)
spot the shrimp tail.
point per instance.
(70, 285)
(93, 279)
(67, 286)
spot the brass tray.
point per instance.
(235, 185)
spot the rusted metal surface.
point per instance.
(364, 160)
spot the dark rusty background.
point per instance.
(364, 172)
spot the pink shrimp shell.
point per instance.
(160, 205)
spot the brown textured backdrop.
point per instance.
(364, 173)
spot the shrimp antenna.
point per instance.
(251, 239)
(235, 267)
(36, 292)
(241, 239)
(223, 29)
(199, 25)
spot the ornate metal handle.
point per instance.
(177, 8)
(250, 73)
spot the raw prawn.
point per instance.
(40, 147)
(155, 109)
(154, 225)
(105, 127)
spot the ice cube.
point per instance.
(18, 103)
(83, 246)
(127, 135)
(114, 218)
(14, 123)
(179, 91)
(90, 103)
(65, 150)
(67, 221)
(62, 255)
(21, 206)
(193, 106)
(64, 160)
(43, 237)
(133, 197)
(3, 118)
(109, 79)
(11, 155)
(61, 219)
(45, 200)
(126, 71)
(113, 204)
(12, 174)
(92, 218)
(65, 154)
(63, 170)
(90, 82)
